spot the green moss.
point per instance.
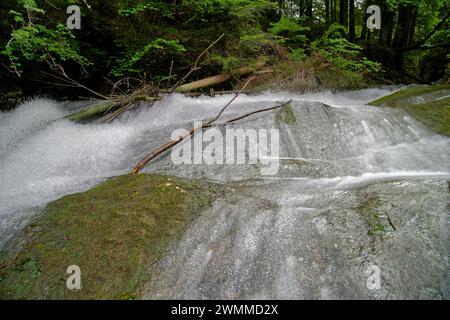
(91, 112)
(428, 104)
(398, 98)
(435, 115)
(115, 233)
(286, 115)
(371, 216)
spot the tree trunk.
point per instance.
(364, 25)
(402, 38)
(387, 27)
(351, 22)
(94, 111)
(404, 26)
(309, 6)
(327, 12)
(335, 10)
(412, 26)
(343, 12)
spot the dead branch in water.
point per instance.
(152, 155)
(258, 111)
(172, 143)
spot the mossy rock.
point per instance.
(371, 215)
(286, 115)
(115, 233)
(428, 104)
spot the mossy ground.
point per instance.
(114, 233)
(311, 74)
(431, 111)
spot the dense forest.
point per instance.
(311, 43)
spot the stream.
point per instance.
(346, 171)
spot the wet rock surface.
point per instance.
(314, 243)
(114, 233)
(361, 192)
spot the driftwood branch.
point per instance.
(193, 130)
(181, 138)
(231, 101)
(258, 111)
(66, 79)
(172, 143)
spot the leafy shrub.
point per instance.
(342, 54)
(290, 31)
(129, 65)
(297, 54)
(37, 42)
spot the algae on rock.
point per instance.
(428, 104)
(115, 233)
(286, 115)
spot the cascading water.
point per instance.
(297, 234)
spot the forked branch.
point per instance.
(152, 155)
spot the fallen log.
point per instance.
(92, 112)
(221, 78)
(193, 130)
(101, 108)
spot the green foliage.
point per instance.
(128, 11)
(30, 5)
(166, 31)
(228, 63)
(341, 53)
(290, 31)
(128, 37)
(297, 54)
(39, 43)
(286, 25)
(128, 64)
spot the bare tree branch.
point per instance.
(421, 42)
(193, 130)
(195, 66)
(172, 143)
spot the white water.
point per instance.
(338, 143)
(42, 159)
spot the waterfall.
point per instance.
(337, 154)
